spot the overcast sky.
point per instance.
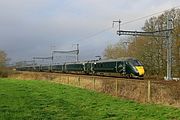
(29, 28)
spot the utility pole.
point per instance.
(167, 35)
(52, 57)
(169, 48)
(77, 54)
(117, 21)
(34, 63)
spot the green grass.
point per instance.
(21, 100)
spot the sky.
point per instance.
(32, 28)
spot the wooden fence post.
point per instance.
(79, 81)
(116, 87)
(94, 81)
(68, 79)
(105, 88)
(149, 91)
(60, 79)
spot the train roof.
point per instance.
(103, 60)
(80, 62)
(115, 60)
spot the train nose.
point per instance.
(140, 69)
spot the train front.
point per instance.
(137, 68)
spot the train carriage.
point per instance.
(57, 68)
(74, 67)
(111, 67)
(46, 68)
(37, 68)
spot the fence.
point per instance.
(161, 92)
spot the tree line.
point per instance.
(152, 51)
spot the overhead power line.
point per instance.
(95, 34)
(124, 23)
(140, 18)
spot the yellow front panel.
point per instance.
(140, 70)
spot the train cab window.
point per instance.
(135, 62)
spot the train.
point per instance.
(122, 67)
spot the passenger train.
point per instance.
(122, 67)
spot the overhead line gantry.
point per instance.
(167, 34)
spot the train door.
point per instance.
(84, 67)
(121, 67)
(124, 67)
(89, 67)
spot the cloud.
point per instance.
(30, 27)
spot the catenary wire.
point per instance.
(124, 23)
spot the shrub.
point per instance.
(5, 72)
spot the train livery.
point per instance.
(126, 67)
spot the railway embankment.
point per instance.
(144, 91)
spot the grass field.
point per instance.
(32, 99)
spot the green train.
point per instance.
(122, 67)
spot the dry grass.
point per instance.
(166, 93)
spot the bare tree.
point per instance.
(116, 51)
(3, 58)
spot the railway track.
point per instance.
(155, 80)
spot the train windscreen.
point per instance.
(135, 62)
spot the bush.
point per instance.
(5, 72)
